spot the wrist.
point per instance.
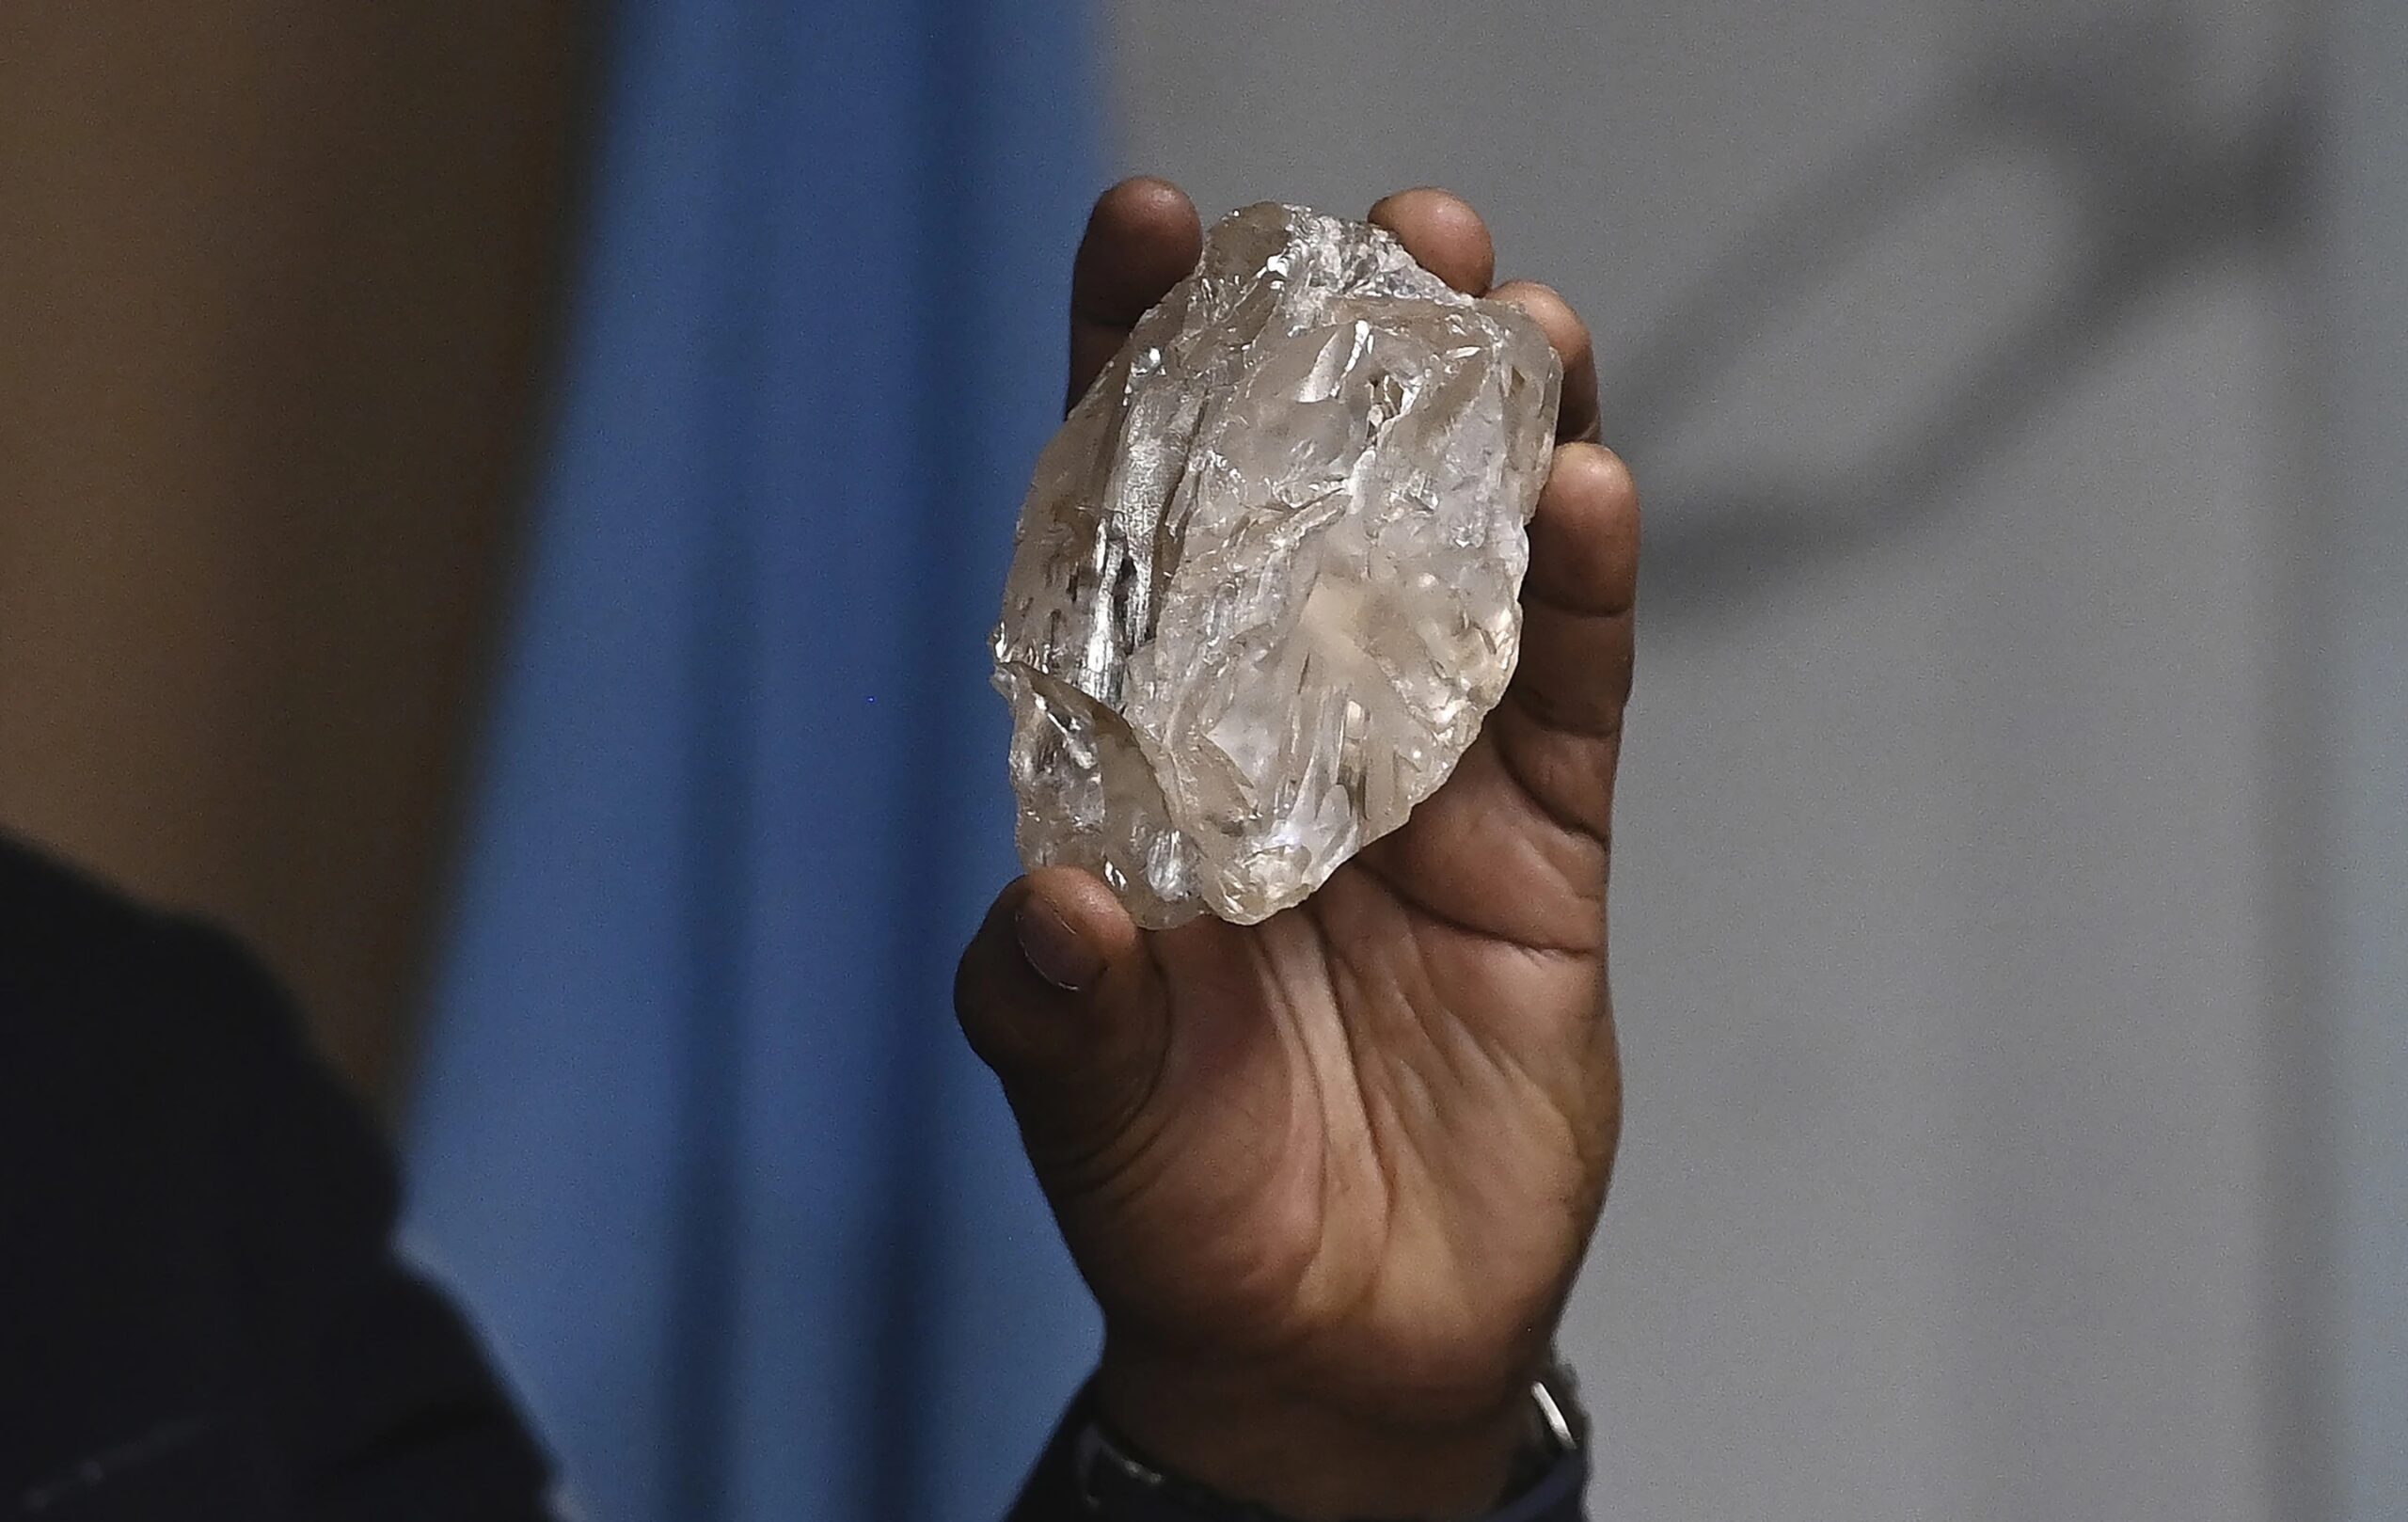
(1304, 1455)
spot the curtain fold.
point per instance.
(694, 1136)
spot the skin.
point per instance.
(1330, 1177)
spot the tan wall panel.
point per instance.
(273, 280)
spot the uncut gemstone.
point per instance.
(1266, 582)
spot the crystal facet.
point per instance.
(1265, 587)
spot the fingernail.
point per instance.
(1054, 949)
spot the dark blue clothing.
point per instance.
(201, 1315)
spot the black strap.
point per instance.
(1114, 1485)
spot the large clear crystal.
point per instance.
(1266, 582)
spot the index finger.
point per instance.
(1142, 237)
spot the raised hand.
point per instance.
(1330, 1176)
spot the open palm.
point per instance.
(1332, 1173)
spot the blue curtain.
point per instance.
(694, 1138)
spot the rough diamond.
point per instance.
(1265, 587)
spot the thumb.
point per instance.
(1059, 996)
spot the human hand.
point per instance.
(1330, 1176)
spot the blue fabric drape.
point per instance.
(694, 1138)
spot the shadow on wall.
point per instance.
(2156, 180)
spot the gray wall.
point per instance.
(2355, 965)
(1959, 875)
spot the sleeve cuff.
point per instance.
(1080, 1479)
